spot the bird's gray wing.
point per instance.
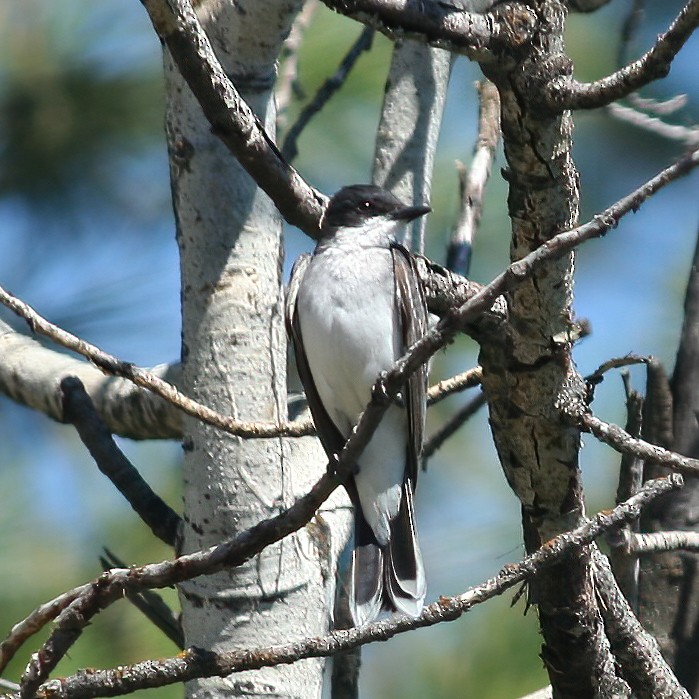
(405, 574)
(329, 435)
(413, 315)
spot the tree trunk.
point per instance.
(234, 360)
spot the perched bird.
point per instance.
(354, 307)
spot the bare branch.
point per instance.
(626, 567)
(112, 585)
(663, 541)
(686, 135)
(196, 662)
(474, 180)
(36, 621)
(116, 367)
(597, 376)
(163, 521)
(443, 25)
(655, 64)
(460, 382)
(231, 118)
(326, 91)
(642, 665)
(624, 443)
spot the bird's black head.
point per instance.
(356, 204)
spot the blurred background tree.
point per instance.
(87, 237)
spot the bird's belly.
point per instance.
(348, 332)
(351, 333)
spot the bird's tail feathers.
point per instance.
(404, 571)
(366, 573)
(390, 577)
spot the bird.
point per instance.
(353, 308)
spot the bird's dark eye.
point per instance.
(367, 205)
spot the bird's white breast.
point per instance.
(351, 333)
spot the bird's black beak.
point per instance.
(408, 213)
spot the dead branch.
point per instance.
(654, 64)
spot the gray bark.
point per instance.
(529, 377)
(411, 118)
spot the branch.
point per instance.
(162, 520)
(561, 95)
(624, 443)
(112, 585)
(116, 367)
(326, 91)
(230, 116)
(597, 376)
(443, 25)
(30, 374)
(474, 180)
(460, 382)
(635, 650)
(626, 568)
(31, 625)
(686, 135)
(662, 541)
(196, 662)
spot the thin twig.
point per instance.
(686, 135)
(473, 181)
(195, 662)
(597, 376)
(624, 443)
(78, 408)
(326, 91)
(116, 367)
(448, 387)
(654, 64)
(36, 621)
